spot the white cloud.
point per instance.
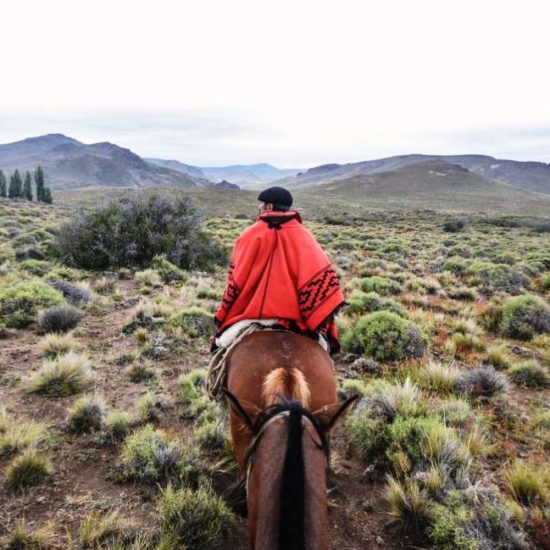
(291, 82)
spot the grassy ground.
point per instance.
(86, 473)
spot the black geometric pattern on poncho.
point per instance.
(232, 291)
(322, 285)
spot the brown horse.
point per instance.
(282, 392)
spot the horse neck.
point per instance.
(287, 490)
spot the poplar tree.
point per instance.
(16, 186)
(3, 185)
(27, 187)
(39, 179)
(47, 195)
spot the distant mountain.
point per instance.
(248, 176)
(68, 163)
(531, 176)
(433, 184)
(178, 166)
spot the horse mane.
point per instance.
(285, 383)
(292, 499)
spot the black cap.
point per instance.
(278, 196)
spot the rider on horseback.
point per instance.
(279, 275)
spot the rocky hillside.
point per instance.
(70, 164)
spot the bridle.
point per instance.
(268, 417)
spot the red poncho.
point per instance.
(279, 271)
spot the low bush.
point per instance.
(38, 268)
(28, 468)
(141, 371)
(117, 426)
(66, 375)
(367, 302)
(195, 322)
(20, 303)
(482, 382)
(59, 319)
(454, 226)
(380, 285)
(148, 277)
(151, 457)
(134, 229)
(192, 519)
(87, 415)
(385, 336)
(74, 294)
(529, 374)
(191, 386)
(491, 277)
(24, 537)
(169, 273)
(525, 316)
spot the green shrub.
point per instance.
(117, 426)
(59, 319)
(525, 316)
(385, 336)
(367, 302)
(169, 273)
(191, 386)
(66, 375)
(151, 457)
(192, 519)
(496, 276)
(28, 468)
(35, 267)
(546, 282)
(87, 415)
(380, 285)
(455, 264)
(134, 229)
(19, 303)
(195, 322)
(529, 374)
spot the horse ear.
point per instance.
(329, 414)
(247, 411)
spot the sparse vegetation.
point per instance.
(66, 375)
(28, 468)
(192, 519)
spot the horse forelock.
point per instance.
(284, 383)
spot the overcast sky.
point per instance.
(291, 82)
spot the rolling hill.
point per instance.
(432, 184)
(530, 176)
(70, 164)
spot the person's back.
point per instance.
(279, 271)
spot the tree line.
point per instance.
(19, 189)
